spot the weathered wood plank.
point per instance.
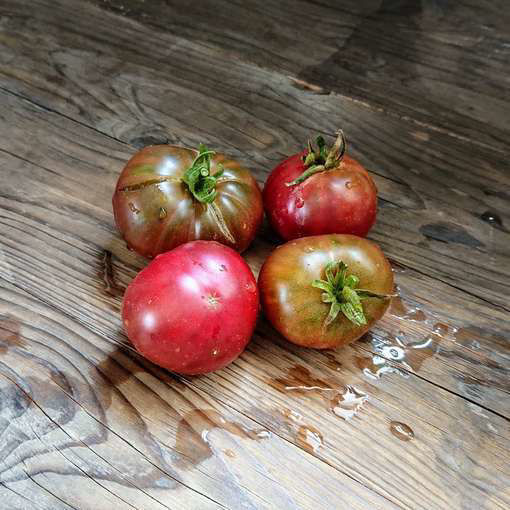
(58, 206)
(87, 410)
(75, 169)
(440, 63)
(156, 90)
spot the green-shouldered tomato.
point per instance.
(325, 291)
(168, 195)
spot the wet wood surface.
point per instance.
(415, 415)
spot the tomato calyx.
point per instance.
(341, 292)
(198, 178)
(321, 159)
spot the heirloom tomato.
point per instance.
(320, 191)
(192, 310)
(168, 195)
(325, 291)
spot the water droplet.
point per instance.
(348, 404)
(375, 367)
(475, 345)
(393, 352)
(440, 329)
(223, 267)
(348, 184)
(133, 208)
(250, 287)
(416, 315)
(299, 202)
(309, 438)
(229, 453)
(162, 213)
(491, 218)
(309, 249)
(401, 431)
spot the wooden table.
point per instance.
(422, 90)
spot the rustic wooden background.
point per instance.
(416, 414)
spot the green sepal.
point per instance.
(339, 290)
(322, 159)
(321, 284)
(198, 178)
(333, 313)
(352, 307)
(353, 313)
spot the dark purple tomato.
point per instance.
(168, 195)
(192, 310)
(320, 192)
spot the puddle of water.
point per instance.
(307, 436)
(349, 403)
(407, 354)
(300, 380)
(192, 438)
(376, 366)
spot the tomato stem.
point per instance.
(340, 291)
(321, 159)
(198, 178)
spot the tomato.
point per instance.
(325, 291)
(192, 310)
(168, 195)
(320, 192)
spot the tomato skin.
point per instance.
(155, 211)
(192, 310)
(295, 308)
(342, 200)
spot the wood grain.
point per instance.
(455, 428)
(85, 422)
(439, 63)
(63, 143)
(155, 92)
(88, 410)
